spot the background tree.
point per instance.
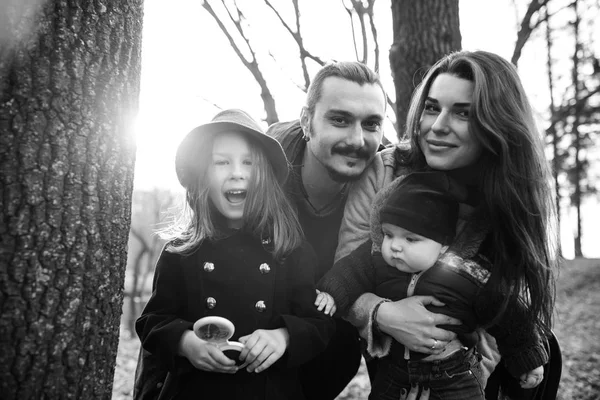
(424, 31)
(68, 93)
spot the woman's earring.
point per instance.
(306, 137)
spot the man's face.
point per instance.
(346, 128)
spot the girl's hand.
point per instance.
(262, 348)
(410, 323)
(205, 356)
(325, 303)
(532, 378)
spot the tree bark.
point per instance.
(424, 31)
(68, 96)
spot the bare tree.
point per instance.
(557, 153)
(233, 24)
(68, 94)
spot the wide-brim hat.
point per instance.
(233, 120)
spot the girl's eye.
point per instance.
(247, 162)
(386, 234)
(220, 162)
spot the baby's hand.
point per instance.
(532, 378)
(325, 303)
(204, 355)
(262, 348)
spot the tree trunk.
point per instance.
(424, 31)
(68, 96)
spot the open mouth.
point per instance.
(235, 196)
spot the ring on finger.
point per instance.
(434, 344)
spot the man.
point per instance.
(336, 138)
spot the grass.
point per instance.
(577, 328)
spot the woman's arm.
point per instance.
(356, 224)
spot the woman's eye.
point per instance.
(430, 108)
(463, 113)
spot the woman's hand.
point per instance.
(204, 355)
(414, 392)
(325, 303)
(262, 348)
(532, 378)
(410, 323)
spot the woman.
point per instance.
(471, 118)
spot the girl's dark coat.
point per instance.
(181, 288)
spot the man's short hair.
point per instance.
(350, 70)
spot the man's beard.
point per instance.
(360, 153)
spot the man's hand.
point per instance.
(262, 348)
(325, 303)
(410, 323)
(204, 355)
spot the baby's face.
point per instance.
(408, 251)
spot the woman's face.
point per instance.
(444, 134)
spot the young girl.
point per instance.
(238, 254)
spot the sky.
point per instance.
(189, 70)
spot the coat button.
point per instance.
(264, 268)
(209, 267)
(211, 303)
(260, 306)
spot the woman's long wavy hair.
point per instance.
(515, 179)
(267, 211)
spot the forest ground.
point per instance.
(577, 327)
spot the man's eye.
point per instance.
(372, 125)
(339, 120)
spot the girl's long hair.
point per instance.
(515, 180)
(268, 213)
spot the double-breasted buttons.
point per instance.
(211, 303)
(260, 306)
(264, 268)
(209, 267)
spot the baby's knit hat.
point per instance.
(425, 203)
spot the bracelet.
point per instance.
(374, 315)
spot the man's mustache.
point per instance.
(352, 151)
